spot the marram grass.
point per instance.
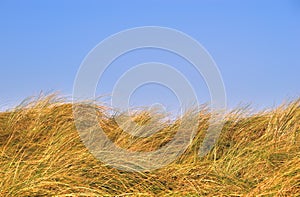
(41, 154)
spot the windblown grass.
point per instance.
(41, 154)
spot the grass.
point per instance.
(41, 154)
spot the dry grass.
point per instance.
(41, 154)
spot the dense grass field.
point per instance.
(41, 154)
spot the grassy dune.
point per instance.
(41, 154)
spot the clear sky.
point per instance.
(256, 45)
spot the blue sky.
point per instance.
(255, 44)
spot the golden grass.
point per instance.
(41, 154)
